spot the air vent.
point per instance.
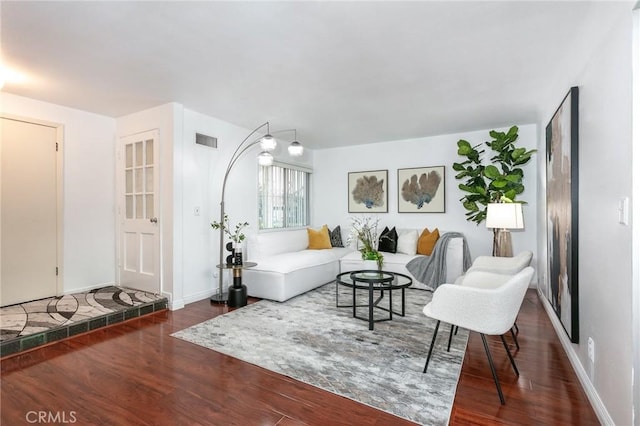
(205, 140)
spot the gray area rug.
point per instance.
(307, 338)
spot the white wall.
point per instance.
(601, 67)
(202, 172)
(331, 167)
(88, 210)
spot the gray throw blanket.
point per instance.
(432, 270)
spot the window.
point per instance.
(283, 196)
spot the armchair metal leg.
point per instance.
(433, 340)
(515, 339)
(513, 363)
(450, 337)
(493, 369)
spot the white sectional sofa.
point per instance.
(396, 262)
(286, 267)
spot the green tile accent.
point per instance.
(32, 341)
(161, 305)
(78, 328)
(115, 318)
(146, 309)
(57, 334)
(97, 323)
(131, 313)
(10, 347)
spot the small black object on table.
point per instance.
(237, 295)
(374, 281)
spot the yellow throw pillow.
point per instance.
(319, 240)
(427, 241)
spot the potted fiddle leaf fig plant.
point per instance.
(499, 181)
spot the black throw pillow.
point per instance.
(388, 240)
(336, 237)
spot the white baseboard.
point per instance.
(196, 297)
(174, 304)
(589, 389)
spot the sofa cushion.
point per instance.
(427, 241)
(388, 240)
(267, 244)
(319, 239)
(407, 241)
(287, 262)
(336, 237)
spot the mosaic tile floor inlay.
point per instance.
(31, 324)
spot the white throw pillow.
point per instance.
(407, 241)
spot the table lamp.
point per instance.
(502, 217)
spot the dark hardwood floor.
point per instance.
(136, 374)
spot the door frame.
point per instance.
(59, 127)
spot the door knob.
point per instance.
(153, 220)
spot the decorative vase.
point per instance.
(231, 256)
(237, 254)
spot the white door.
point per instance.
(28, 211)
(139, 239)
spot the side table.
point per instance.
(237, 295)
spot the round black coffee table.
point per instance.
(373, 281)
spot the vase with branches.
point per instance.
(236, 235)
(364, 230)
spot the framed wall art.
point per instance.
(421, 190)
(562, 213)
(368, 192)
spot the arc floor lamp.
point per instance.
(267, 143)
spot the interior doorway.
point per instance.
(138, 174)
(30, 200)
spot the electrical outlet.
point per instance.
(591, 348)
(196, 211)
(623, 211)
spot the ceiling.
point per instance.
(342, 73)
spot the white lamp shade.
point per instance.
(265, 159)
(505, 216)
(268, 143)
(296, 149)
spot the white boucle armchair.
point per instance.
(502, 265)
(482, 309)
(494, 271)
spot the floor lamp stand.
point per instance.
(220, 297)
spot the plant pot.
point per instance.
(370, 265)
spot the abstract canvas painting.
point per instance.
(562, 213)
(368, 192)
(421, 190)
